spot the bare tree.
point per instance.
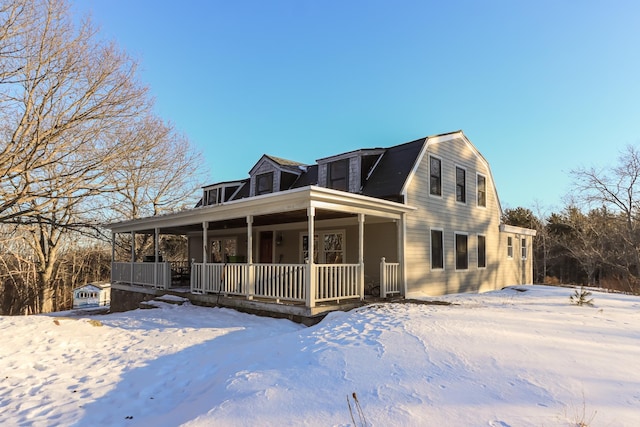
(18, 281)
(76, 136)
(617, 190)
(158, 175)
(62, 96)
(65, 92)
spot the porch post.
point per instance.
(311, 276)
(361, 254)
(401, 252)
(251, 284)
(133, 254)
(205, 252)
(205, 242)
(113, 253)
(155, 261)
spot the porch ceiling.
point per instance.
(259, 220)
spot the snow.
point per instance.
(518, 357)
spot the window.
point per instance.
(461, 185)
(305, 248)
(213, 196)
(338, 175)
(221, 249)
(264, 183)
(523, 246)
(482, 251)
(435, 172)
(333, 248)
(437, 250)
(328, 247)
(482, 190)
(462, 254)
(509, 247)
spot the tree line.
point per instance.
(595, 239)
(80, 146)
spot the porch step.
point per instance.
(167, 299)
(172, 299)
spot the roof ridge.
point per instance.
(284, 162)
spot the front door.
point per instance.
(266, 247)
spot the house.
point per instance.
(419, 218)
(92, 295)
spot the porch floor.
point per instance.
(296, 312)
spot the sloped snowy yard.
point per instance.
(506, 358)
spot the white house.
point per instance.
(421, 217)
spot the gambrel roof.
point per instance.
(384, 175)
(388, 176)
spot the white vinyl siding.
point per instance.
(444, 213)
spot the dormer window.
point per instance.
(212, 196)
(264, 183)
(219, 193)
(338, 175)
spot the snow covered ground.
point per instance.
(505, 358)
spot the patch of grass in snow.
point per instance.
(356, 403)
(94, 322)
(580, 417)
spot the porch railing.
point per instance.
(337, 281)
(286, 282)
(148, 274)
(389, 278)
(280, 281)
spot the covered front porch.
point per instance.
(258, 250)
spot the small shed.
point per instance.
(92, 295)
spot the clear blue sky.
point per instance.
(540, 87)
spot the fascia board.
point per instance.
(283, 201)
(505, 228)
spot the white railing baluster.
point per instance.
(389, 278)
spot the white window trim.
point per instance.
(486, 184)
(509, 246)
(321, 253)
(455, 184)
(444, 264)
(478, 252)
(441, 195)
(455, 250)
(523, 248)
